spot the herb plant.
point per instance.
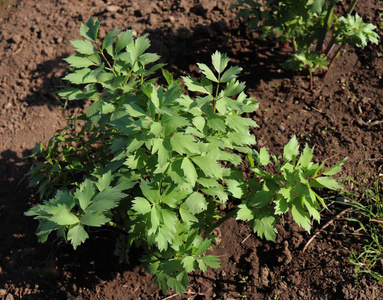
(156, 165)
(310, 26)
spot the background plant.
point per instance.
(310, 26)
(367, 213)
(155, 165)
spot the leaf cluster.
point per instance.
(156, 165)
(306, 24)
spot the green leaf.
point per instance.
(141, 205)
(64, 217)
(90, 30)
(81, 76)
(291, 149)
(109, 40)
(137, 48)
(264, 226)
(189, 263)
(327, 182)
(219, 61)
(77, 235)
(196, 203)
(184, 144)
(301, 217)
(104, 181)
(203, 247)
(110, 194)
(123, 39)
(79, 61)
(194, 86)
(306, 157)
(207, 72)
(208, 165)
(155, 218)
(264, 157)
(85, 193)
(84, 47)
(335, 169)
(95, 219)
(231, 74)
(186, 215)
(189, 171)
(244, 213)
(212, 261)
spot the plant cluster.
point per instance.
(312, 28)
(156, 165)
(367, 213)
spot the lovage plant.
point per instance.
(156, 165)
(310, 26)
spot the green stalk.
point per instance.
(335, 56)
(216, 93)
(326, 26)
(212, 227)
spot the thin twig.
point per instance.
(172, 296)
(376, 221)
(324, 227)
(246, 238)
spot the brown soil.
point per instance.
(340, 117)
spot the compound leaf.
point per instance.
(84, 47)
(196, 203)
(77, 235)
(93, 218)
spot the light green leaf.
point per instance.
(155, 218)
(79, 61)
(203, 247)
(291, 149)
(244, 213)
(84, 47)
(199, 122)
(231, 74)
(141, 205)
(301, 217)
(184, 144)
(264, 226)
(109, 194)
(189, 263)
(123, 39)
(77, 235)
(208, 165)
(85, 193)
(264, 157)
(196, 203)
(335, 169)
(212, 261)
(81, 76)
(328, 182)
(64, 217)
(104, 181)
(219, 61)
(109, 40)
(306, 157)
(95, 219)
(186, 215)
(207, 72)
(137, 48)
(194, 86)
(189, 171)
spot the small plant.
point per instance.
(155, 165)
(368, 214)
(306, 24)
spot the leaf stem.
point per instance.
(212, 227)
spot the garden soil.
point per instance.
(342, 117)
